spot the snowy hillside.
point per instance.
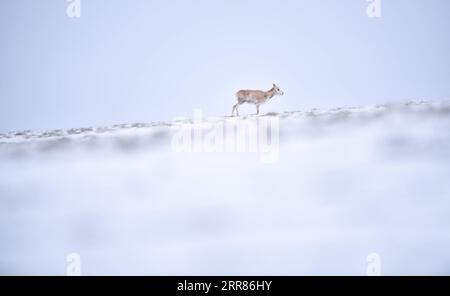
(340, 184)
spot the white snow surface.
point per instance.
(348, 182)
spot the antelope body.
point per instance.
(256, 97)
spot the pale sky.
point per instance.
(143, 61)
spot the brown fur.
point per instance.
(256, 97)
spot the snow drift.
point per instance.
(346, 183)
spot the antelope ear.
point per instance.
(274, 85)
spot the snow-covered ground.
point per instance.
(346, 183)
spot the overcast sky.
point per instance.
(141, 60)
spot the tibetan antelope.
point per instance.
(256, 97)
